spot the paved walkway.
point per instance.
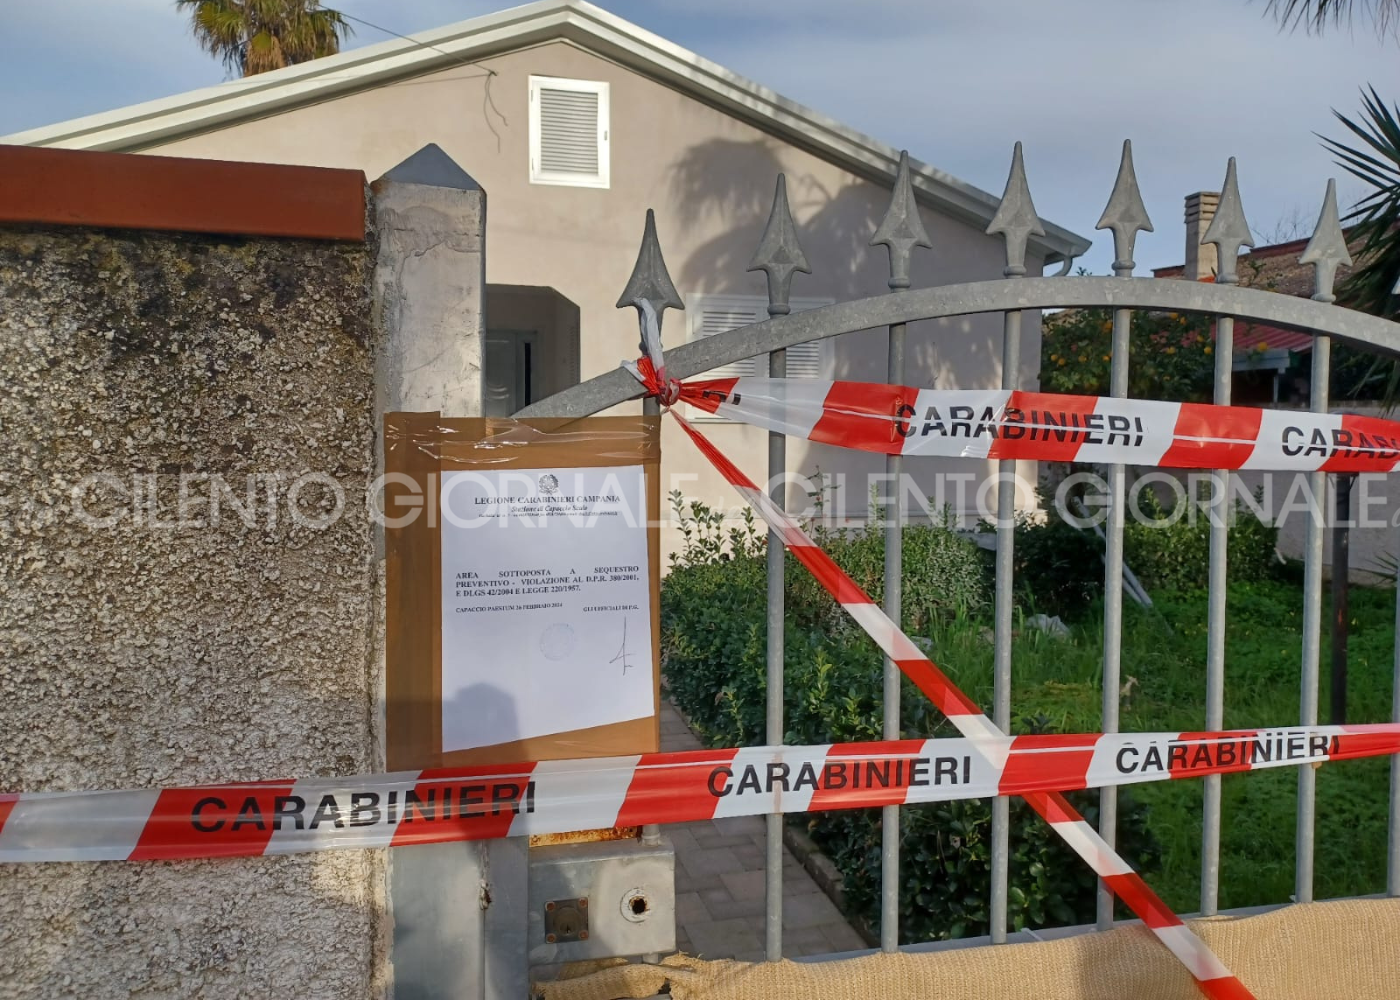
(720, 884)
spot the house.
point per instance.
(574, 122)
(1273, 369)
(1272, 365)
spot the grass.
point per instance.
(1163, 668)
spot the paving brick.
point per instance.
(809, 910)
(742, 826)
(747, 885)
(701, 828)
(681, 839)
(793, 872)
(843, 937)
(800, 941)
(723, 906)
(709, 862)
(686, 882)
(690, 909)
(723, 938)
(708, 840)
(750, 856)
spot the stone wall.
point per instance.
(136, 652)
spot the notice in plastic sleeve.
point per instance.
(546, 604)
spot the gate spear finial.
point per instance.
(1126, 215)
(779, 253)
(1327, 250)
(650, 281)
(1228, 230)
(902, 229)
(1016, 220)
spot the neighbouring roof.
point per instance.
(141, 126)
(1272, 268)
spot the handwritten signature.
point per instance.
(622, 651)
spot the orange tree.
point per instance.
(1172, 354)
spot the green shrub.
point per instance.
(714, 639)
(943, 577)
(945, 865)
(1058, 568)
(1177, 556)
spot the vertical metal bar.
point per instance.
(773, 869)
(1126, 216)
(1392, 884)
(1001, 649)
(1312, 632)
(779, 255)
(894, 568)
(900, 231)
(1015, 220)
(651, 832)
(1217, 584)
(1229, 231)
(1341, 570)
(1113, 598)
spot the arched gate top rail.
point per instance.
(1254, 305)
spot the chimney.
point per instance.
(1200, 258)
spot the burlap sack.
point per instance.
(1345, 950)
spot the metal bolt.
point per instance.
(583, 935)
(549, 907)
(583, 904)
(550, 938)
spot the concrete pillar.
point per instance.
(1200, 257)
(458, 910)
(430, 286)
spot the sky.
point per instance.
(1191, 82)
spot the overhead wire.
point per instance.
(488, 102)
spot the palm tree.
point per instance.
(1316, 15)
(1376, 217)
(1374, 222)
(254, 36)
(1372, 284)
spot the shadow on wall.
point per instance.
(727, 186)
(730, 184)
(733, 182)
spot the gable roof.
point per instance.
(141, 126)
(1273, 268)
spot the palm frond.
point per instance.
(1374, 225)
(1318, 15)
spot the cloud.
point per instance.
(1191, 83)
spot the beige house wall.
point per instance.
(710, 179)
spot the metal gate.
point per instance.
(901, 231)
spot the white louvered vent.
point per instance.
(568, 132)
(712, 314)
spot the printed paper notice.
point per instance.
(546, 605)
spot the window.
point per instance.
(708, 315)
(568, 132)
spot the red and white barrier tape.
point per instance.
(1214, 978)
(512, 800)
(1005, 424)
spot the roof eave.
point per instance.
(141, 126)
